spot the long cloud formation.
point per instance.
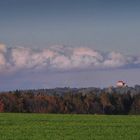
(61, 58)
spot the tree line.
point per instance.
(73, 101)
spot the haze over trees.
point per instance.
(111, 100)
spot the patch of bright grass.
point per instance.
(15, 126)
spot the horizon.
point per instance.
(115, 86)
(100, 88)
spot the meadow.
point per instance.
(18, 126)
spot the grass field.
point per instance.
(68, 127)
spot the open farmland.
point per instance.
(68, 127)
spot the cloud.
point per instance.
(3, 62)
(115, 59)
(3, 48)
(137, 60)
(61, 58)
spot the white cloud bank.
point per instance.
(61, 58)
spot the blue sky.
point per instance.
(101, 26)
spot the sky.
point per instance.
(72, 43)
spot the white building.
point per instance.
(121, 84)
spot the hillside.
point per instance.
(91, 100)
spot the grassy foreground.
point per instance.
(68, 127)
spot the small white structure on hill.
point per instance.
(121, 84)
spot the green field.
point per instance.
(68, 127)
